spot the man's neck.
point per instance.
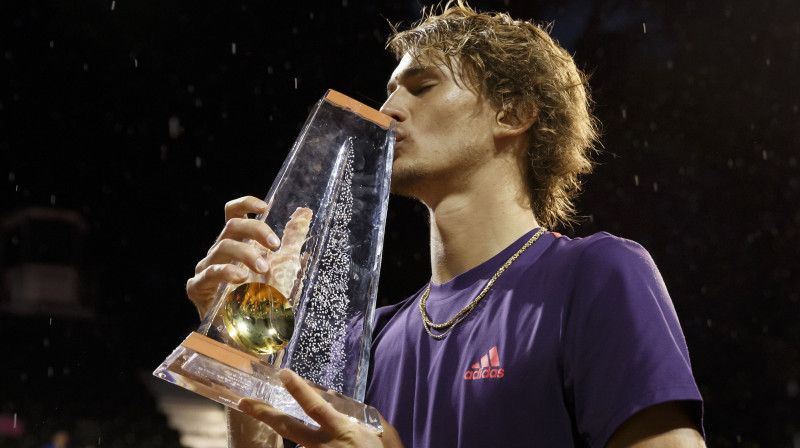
(471, 226)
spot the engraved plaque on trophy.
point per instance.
(312, 311)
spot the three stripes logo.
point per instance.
(487, 368)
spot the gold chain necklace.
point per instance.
(461, 315)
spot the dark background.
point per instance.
(146, 116)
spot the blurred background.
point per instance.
(125, 126)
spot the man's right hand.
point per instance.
(217, 267)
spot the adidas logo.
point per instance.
(487, 368)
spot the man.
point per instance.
(522, 337)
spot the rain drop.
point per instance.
(792, 388)
(233, 47)
(174, 126)
(636, 180)
(113, 4)
(644, 27)
(295, 83)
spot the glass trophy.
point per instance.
(313, 310)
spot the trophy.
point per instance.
(313, 310)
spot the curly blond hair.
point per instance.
(526, 73)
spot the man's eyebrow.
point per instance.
(408, 73)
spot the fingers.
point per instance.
(239, 208)
(336, 429)
(202, 288)
(230, 247)
(315, 406)
(242, 228)
(282, 424)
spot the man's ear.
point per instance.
(510, 124)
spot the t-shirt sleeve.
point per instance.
(623, 348)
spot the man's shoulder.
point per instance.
(385, 313)
(601, 247)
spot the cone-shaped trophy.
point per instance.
(312, 311)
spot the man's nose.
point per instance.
(393, 107)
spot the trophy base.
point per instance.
(226, 375)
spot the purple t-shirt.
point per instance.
(575, 337)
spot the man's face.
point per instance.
(444, 128)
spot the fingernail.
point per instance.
(261, 265)
(273, 240)
(261, 205)
(244, 406)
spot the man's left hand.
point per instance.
(336, 429)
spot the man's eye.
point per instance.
(422, 89)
